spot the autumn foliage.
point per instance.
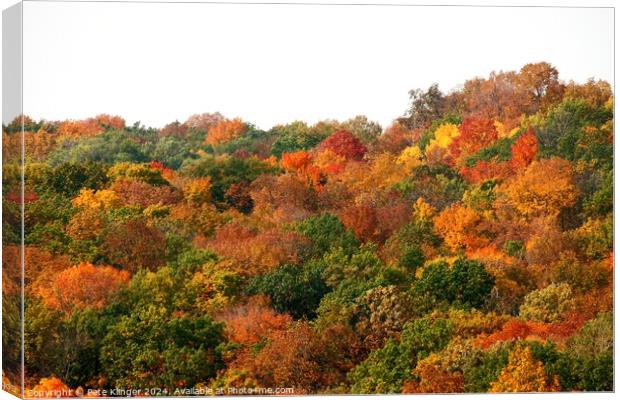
(524, 374)
(524, 149)
(467, 247)
(474, 134)
(83, 285)
(344, 144)
(253, 322)
(225, 130)
(51, 387)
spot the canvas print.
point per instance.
(295, 200)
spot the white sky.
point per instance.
(271, 64)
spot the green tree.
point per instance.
(326, 232)
(152, 348)
(293, 289)
(464, 284)
(108, 147)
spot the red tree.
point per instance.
(344, 144)
(524, 149)
(476, 133)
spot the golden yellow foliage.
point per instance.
(326, 158)
(85, 224)
(524, 374)
(100, 199)
(436, 150)
(435, 377)
(410, 157)
(382, 173)
(422, 211)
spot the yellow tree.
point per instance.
(524, 374)
(436, 150)
(96, 200)
(410, 157)
(422, 211)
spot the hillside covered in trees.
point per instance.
(467, 247)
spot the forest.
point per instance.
(467, 247)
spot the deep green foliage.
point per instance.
(151, 348)
(293, 289)
(601, 201)
(438, 185)
(464, 284)
(253, 142)
(172, 152)
(326, 232)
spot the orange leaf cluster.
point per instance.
(254, 321)
(226, 130)
(459, 227)
(545, 187)
(133, 192)
(166, 172)
(370, 223)
(296, 161)
(257, 252)
(40, 266)
(51, 387)
(434, 378)
(287, 360)
(518, 329)
(301, 163)
(90, 127)
(110, 121)
(82, 286)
